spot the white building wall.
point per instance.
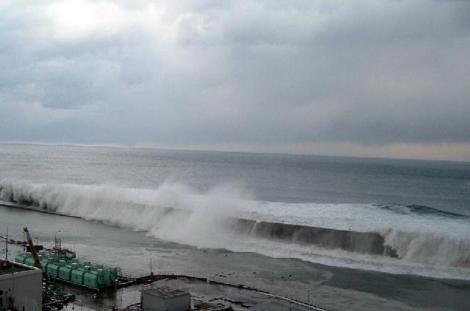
(25, 288)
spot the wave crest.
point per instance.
(223, 217)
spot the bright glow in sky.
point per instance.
(368, 78)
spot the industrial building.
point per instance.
(20, 287)
(165, 298)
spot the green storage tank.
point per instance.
(110, 276)
(20, 258)
(101, 278)
(70, 270)
(65, 273)
(77, 276)
(52, 269)
(29, 261)
(90, 279)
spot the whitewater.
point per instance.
(393, 238)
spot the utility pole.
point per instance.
(6, 247)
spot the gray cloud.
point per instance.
(236, 72)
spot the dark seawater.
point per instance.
(385, 234)
(271, 177)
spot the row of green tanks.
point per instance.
(67, 268)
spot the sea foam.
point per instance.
(385, 238)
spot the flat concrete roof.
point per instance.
(7, 267)
(164, 292)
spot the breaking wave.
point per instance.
(224, 217)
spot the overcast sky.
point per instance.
(372, 78)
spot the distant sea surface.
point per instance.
(399, 217)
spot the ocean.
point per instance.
(355, 233)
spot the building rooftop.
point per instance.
(164, 292)
(7, 267)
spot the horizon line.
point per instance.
(208, 149)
